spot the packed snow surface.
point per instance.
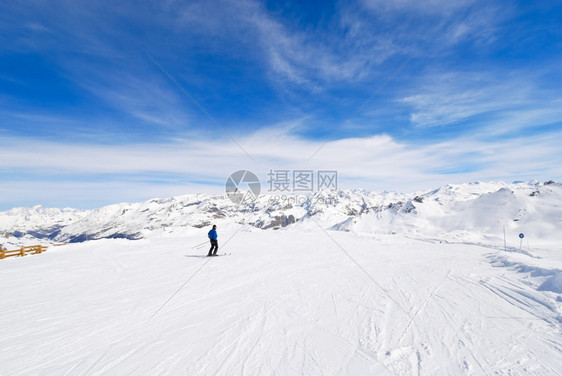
(334, 283)
(303, 300)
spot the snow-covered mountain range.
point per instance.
(467, 212)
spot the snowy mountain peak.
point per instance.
(474, 211)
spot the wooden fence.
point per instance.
(32, 249)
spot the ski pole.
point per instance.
(199, 246)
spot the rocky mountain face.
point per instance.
(450, 212)
(37, 221)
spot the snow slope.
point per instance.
(476, 212)
(299, 301)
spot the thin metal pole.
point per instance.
(504, 241)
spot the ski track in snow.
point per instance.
(286, 302)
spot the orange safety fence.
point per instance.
(32, 249)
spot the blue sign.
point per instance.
(521, 236)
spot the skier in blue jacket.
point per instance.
(214, 243)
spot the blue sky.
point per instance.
(422, 93)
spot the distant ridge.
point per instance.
(472, 211)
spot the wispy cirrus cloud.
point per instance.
(413, 6)
(293, 55)
(497, 104)
(436, 27)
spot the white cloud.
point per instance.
(147, 97)
(433, 27)
(505, 103)
(134, 172)
(427, 6)
(307, 57)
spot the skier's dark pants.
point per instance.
(214, 247)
